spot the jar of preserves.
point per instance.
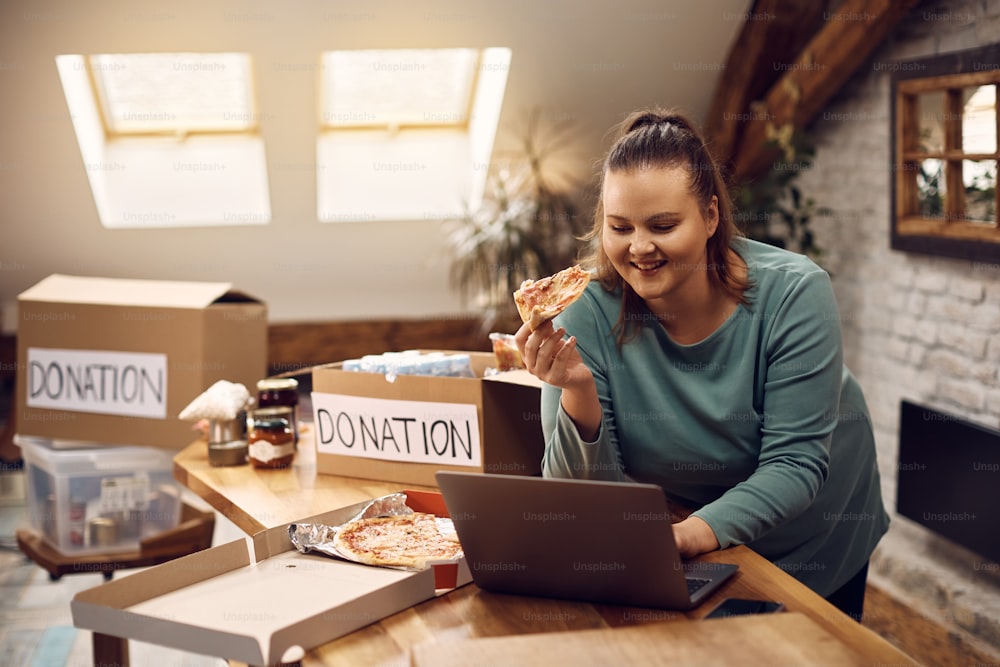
(271, 441)
(280, 392)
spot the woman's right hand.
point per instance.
(556, 361)
(551, 357)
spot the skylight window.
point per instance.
(177, 93)
(398, 87)
(405, 134)
(168, 139)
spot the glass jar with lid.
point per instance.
(280, 392)
(271, 441)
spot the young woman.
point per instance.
(710, 364)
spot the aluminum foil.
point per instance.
(320, 537)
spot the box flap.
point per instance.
(521, 377)
(61, 288)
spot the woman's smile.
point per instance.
(648, 267)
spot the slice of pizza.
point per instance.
(406, 540)
(540, 300)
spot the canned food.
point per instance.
(103, 531)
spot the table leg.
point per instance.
(110, 650)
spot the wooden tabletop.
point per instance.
(790, 638)
(258, 499)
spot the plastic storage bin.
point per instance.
(103, 500)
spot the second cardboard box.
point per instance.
(405, 429)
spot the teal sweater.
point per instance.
(759, 426)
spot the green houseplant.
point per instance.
(528, 226)
(774, 209)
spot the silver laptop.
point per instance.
(609, 542)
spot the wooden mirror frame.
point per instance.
(950, 234)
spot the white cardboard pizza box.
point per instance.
(258, 600)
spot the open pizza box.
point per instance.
(259, 600)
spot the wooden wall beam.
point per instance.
(295, 346)
(849, 36)
(773, 35)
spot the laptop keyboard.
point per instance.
(695, 583)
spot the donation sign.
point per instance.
(395, 430)
(130, 384)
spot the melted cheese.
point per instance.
(408, 540)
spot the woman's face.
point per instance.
(654, 232)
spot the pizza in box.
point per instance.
(386, 533)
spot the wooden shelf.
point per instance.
(193, 533)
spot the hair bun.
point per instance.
(645, 119)
(656, 117)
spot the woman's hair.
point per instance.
(657, 138)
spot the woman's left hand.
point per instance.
(694, 536)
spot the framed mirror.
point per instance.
(945, 154)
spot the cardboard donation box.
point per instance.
(112, 361)
(407, 428)
(262, 605)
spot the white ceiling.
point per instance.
(585, 62)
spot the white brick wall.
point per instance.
(922, 328)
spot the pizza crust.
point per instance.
(406, 540)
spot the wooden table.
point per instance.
(258, 499)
